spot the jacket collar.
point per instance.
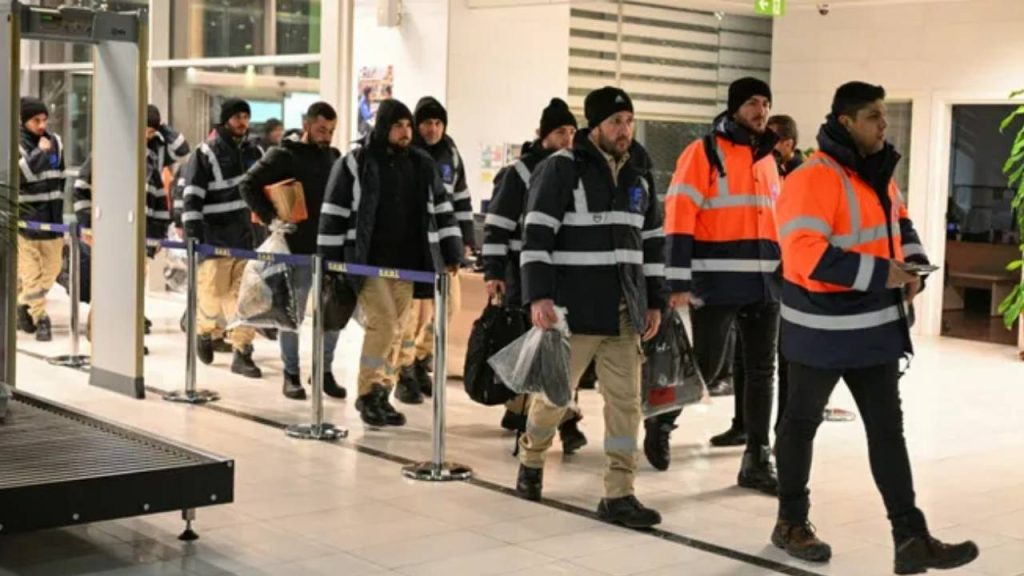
(583, 146)
(762, 145)
(876, 170)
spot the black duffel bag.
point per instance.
(339, 302)
(496, 328)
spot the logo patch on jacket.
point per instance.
(636, 199)
(54, 160)
(447, 173)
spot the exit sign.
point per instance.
(770, 7)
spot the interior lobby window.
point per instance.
(664, 142)
(901, 115)
(226, 28)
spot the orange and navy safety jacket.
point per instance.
(721, 237)
(840, 222)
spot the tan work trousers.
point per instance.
(418, 329)
(386, 305)
(39, 264)
(619, 360)
(218, 281)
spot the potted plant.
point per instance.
(1012, 308)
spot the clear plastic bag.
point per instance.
(266, 298)
(176, 269)
(538, 363)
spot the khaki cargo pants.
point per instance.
(418, 328)
(386, 304)
(619, 360)
(39, 264)
(218, 281)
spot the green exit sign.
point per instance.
(770, 7)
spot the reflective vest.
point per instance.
(721, 237)
(837, 239)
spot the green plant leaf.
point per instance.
(1009, 300)
(1009, 119)
(1016, 93)
(1016, 175)
(1011, 161)
(1013, 312)
(1015, 265)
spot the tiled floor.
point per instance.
(308, 508)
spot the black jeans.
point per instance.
(738, 385)
(757, 331)
(876, 392)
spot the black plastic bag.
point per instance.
(266, 298)
(339, 302)
(84, 269)
(496, 328)
(671, 377)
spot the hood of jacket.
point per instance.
(877, 169)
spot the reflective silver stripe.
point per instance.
(224, 207)
(713, 265)
(501, 222)
(460, 196)
(158, 214)
(335, 210)
(528, 256)
(654, 269)
(450, 190)
(82, 205)
(331, 240)
(195, 191)
(442, 208)
(515, 245)
(860, 237)
(154, 191)
(851, 195)
(580, 198)
(41, 196)
(449, 232)
(603, 219)
(351, 234)
(433, 237)
(495, 250)
(60, 149)
(847, 322)
(688, 191)
(565, 153)
(649, 234)
(83, 184)
(913, 249)
(218, 175)
(542, 219)
(191, 215)
(33, 177)
(606, 258)
(864, 273)
(179, 204)
(673, 273)
(373, 362)
(464, 216)
(226, 184)
(723, 180)
(620, 444)
(357, 190)
(805, 223)
(177, 144)
(524, 172)
(738, 200)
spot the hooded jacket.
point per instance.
(162, 150)
(41, 183)
(503, 228)
(591, 242)
(349, 213)
(214, 212)
(453, 174)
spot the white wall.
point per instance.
(935, 54)
(505, 64)
(418, 48)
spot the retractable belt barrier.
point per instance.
(436, 469)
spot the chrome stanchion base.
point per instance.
(197, 397)
(431, 472)
(69, 361)
(325, 432)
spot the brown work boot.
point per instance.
(800, 541)
(916, 555)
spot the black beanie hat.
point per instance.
(389, 113)
(743, 89)
(32, 107)
(605, 102)
(233, 106)
(428, 108)
(556, 115)
(153, 117)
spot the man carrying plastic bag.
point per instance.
(266, 298)
(671, 379)
(593, 244)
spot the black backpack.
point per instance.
(496, 328)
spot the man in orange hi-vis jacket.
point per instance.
(846, 244)
(722, 258)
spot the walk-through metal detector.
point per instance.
(120, 48)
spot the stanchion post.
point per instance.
(437, 470)
(190, 395)
(318, 430)
(75, 359)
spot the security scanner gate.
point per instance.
(59, 466)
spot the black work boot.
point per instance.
(222, 346)
(392, 417)
(369, 406)
(919, 553)
(758, 473)
(571, 435)
(292, 387)
(721, 388)
(513, 421)
(656, 443)
(800, 541)
(428, 362)
(421, 374)
(732, 437)
(204, 349)
(530, 483)
(332, 388)
(268, 333)
(147, 326)
(44, 331)
(408, 389)
(242, 364)
(627, 511)
(25, 322)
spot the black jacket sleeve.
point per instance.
(463, 202)
(196, 176)
(448, 230)
(550, 193)
(83, 195)
(653, 236)
(276, 166)
(503, 215)
(337, 212)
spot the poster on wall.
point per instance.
(375, 84)
(494, 157)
